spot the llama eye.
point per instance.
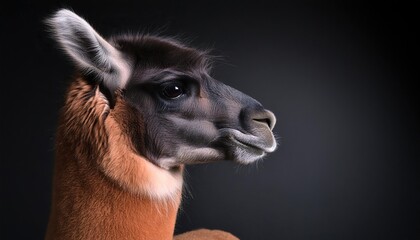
(173, 90)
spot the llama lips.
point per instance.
(263, 143)
(252, 148)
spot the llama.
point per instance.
(140, 108)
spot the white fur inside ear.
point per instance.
(88, 49)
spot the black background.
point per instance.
(340, 78)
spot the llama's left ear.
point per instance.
(88, 50)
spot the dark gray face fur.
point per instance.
(190, 117)
(186, 116)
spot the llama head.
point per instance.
(176, 113)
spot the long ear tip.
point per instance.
(60, 18)
(64, 12)
(88, 50)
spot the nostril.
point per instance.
(265, 117)
(263, 120)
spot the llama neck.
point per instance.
(103, 189)
(88, 206)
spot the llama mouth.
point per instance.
(264, 141)
(248, 147)
(244, 152)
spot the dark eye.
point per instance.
(172, 90)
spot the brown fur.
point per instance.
(88, 204)
(103, 189)
(206, 234)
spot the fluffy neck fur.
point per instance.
(102, 188)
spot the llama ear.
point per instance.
(89, 51)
